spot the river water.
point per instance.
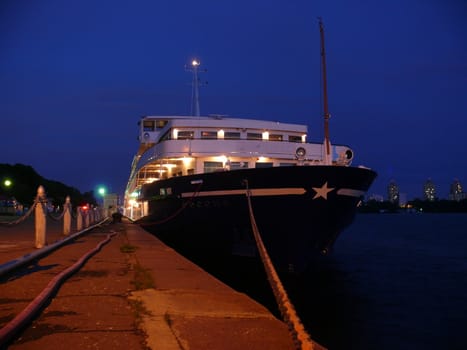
(393, 281)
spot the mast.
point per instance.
(195, 87)
(195, 65)
(327, 143)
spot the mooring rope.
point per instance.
(300, 336)
(21, 218)
(61, 215)
(173, 215)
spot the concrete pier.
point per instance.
(182, 307)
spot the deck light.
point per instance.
(187, 161)
(221, 158)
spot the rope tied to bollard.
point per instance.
(299, 335)
(42, 212)
(66, 209)
(21, 218)
(42, 201)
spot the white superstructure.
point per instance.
(177, 145)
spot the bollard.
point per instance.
(91, 215)
(89, 222)
(40, 218)
(67, 216)
(86, 217)
(79, 219)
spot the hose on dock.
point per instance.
(300, 336)
(25, 316)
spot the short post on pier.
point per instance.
(79, 219)
(86, 216)
(67, 216)
(91, 215)
(40, 218)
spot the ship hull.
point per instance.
(299, 211)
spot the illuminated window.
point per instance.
(254, 136)
(293, 138)
(184, 135)
(161, 123)
(210, 167)
(149, 174)
(238, 165)
(275, 137)
(148, 125)
(229, 135)
(209, 135)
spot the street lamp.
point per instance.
(101, 191)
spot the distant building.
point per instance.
(429, 190)
(456, 193)
(393, 192)
(402, 199)
(110, 204)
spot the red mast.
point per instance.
(327, 143)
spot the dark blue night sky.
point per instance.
(75, 77)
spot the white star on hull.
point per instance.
(322, 191)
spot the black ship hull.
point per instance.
(299, 211)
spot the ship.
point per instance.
(199, 182)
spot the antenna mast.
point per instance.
(327, 143)
(195, 87)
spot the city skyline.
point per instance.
(428, 191)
